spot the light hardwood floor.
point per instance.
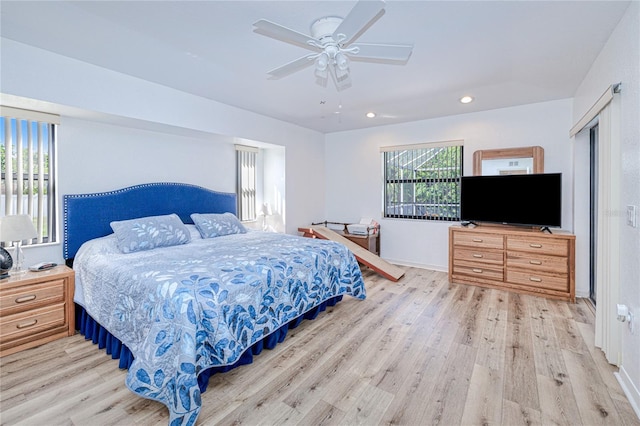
(417, 352)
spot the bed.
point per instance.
(170, 282)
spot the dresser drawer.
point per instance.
(479, 240)
(538, 262)
(551, 246)
(21, 299)
(535, 279)
(31, 322)
(478, 272)
(482, 256)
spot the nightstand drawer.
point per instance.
(31, 322)
(24, 298)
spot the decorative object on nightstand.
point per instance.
(36, 308)
(266, 212)
(15, 229)
(6, 262)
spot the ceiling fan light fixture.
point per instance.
(322, 62)
(466, 99)
(341, 61)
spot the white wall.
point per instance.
(87, 95)
(354, 175)
(619, 61)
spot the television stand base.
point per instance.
(545, 228)
(467, 223)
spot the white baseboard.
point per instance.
(417, 265)
(630, 390)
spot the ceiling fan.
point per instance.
(333, 41)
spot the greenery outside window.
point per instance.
(423, 181)
(27, 148)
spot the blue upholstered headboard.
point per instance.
(87, 216)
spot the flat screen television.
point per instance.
(531, 200)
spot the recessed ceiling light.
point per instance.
(371, 114)
(466, 99)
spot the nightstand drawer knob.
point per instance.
(535, 279)
(28, 324)
(479, 256)
(535, 262)
(26, 298)
(477, 270)
(477, 240)
(535, 245)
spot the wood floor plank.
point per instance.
(519, 370)
(369, 408)
(557, 401)
(483, 405)
(596, 405)
(472, 323)
(420, 351)
(446, 404)
(323, 414)
(548, 357)
(515, 414)
(492, 344)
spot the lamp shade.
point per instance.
(17, 228)
(266, 209)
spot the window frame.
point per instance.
(417, 156)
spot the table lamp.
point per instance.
(266, 211)
(15, 229)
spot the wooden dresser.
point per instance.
(36, 308)
(510, 258)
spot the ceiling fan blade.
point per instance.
(277, 31)
(292, 67)
(361, 17)
(378, 52)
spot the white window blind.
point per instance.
(247, 158)
(27, 141)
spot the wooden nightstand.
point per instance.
(36, 308)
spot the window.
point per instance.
(27, 144)
(423, 181)
(247, 158)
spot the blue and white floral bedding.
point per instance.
(186, 308)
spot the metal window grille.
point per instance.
(247, 158)
(27, 141)
(423, 183)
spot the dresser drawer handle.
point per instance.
(26, 298)
(477, 270)
(477, 240)
(479, 256)
(535, 245)
(535, 279)
(535, 262)
(29, 324)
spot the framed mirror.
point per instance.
(510, 161)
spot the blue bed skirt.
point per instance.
(93, 331)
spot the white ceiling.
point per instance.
(503, 53)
